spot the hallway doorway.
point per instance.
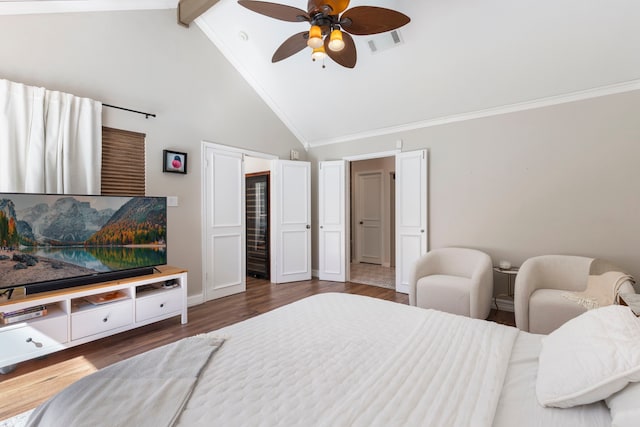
(405, 182)
(373, 222)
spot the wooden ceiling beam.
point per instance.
(189, 10)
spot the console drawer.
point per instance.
(101, 319)
(158, 304)
(32, 339)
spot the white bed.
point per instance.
(338, 360)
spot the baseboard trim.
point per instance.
(195, 299)
(502, 303)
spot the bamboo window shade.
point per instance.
(123, 163)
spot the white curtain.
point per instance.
(50, 142)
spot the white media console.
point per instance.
(72, 320)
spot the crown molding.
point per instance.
(65, 6)
(505, 109)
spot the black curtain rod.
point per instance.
(146, 115)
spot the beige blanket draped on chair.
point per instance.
(603, 284)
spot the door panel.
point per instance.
(227, 203)
(224, 219)
(294, 187)
(333, 198)
(227, 251)
(369, 216)
(411, 213)
(292, 221)
(409, 245)
(333, 268)
(295, 255)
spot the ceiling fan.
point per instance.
(331, 26)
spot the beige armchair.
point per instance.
(455, 280)
(539, 304)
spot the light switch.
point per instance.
(172, 200)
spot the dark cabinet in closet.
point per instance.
(257, 187)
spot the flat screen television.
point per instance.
(50, 242)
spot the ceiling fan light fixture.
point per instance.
(315, 37)
(336, 43)
(332, 26)
(318, 53)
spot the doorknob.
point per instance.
(361, 222)
(308, 226)
(321, 226)
(422, 231)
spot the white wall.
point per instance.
(561, 179)
(143, 60)
(255, 164)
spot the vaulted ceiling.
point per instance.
(458, 59)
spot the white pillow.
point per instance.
(625, 406)
(589, 358)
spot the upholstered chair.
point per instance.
(539, 304)
(455, 280)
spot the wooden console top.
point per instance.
(165, 270)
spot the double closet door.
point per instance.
(225, 221)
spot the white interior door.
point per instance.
(332, 204)
(291, 221)
(224, 193)
(369, 217)
(411, 213)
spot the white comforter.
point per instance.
(345, 360)
(337, 359)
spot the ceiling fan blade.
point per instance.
(348, 56)
(364, 20)
(337, 6)
(292, 45)
(275, 10)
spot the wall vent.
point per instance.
(384, 41)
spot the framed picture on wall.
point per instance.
(174, 161)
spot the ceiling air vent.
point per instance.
(384, 41)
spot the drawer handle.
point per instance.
(106, 318)
(162, 305)
(36, 343)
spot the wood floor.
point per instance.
(35, 381)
